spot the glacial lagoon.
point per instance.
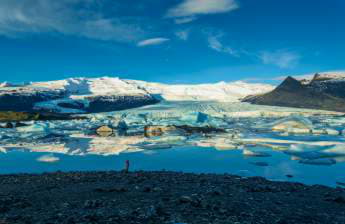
(313, 152)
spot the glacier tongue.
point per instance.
(221, 92)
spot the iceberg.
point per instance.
(250, 153)
(337, 150)
(48, 158)
(42, 127)
(193, 118)
(330, 131)
(170, 139)
(3, 150)
(310, 154)
(294, 123)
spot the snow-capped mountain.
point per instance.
(323, 76)
(84, 87)
(80, 95)
(84, 95)
(222, 91)
(329, 83)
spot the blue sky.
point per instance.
(171, 41)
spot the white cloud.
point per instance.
(153, 41)
(69, 17)
(201, 7)
(183, 34)
(215, 43)
(280, 58)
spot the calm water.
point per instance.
(187, 159)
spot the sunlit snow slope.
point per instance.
(221, 92)
(82, 95)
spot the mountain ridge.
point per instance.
(88, 95)
(293, 93)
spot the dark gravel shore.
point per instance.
(164, 197)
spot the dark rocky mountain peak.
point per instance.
(290, 83)
(292, 93)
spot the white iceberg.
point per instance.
(42, 127)
(48, 158)
(3, 150)
(308, 152)
(293, 124)
(247, 152)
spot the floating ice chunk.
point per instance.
(247, 152)
(194, 117)
(221, 142)
(318, 131)
(307, 152)
(34, 128)
(330, 131)
(50, 158)
(170, 139)
(321, 161)
(3, 150)
(307, 148)
(134, 119)
(299, 130)
(225, 146)
(217, 122)
(337, 150)
(291, 123)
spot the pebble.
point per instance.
(93, 197)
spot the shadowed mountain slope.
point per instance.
(291, 93)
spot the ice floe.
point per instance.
(250, 153)
(48, 158)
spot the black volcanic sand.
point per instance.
(164, 197)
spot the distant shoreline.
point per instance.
(164, 197)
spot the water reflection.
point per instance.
(318, 161)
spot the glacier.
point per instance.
(92, 95)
